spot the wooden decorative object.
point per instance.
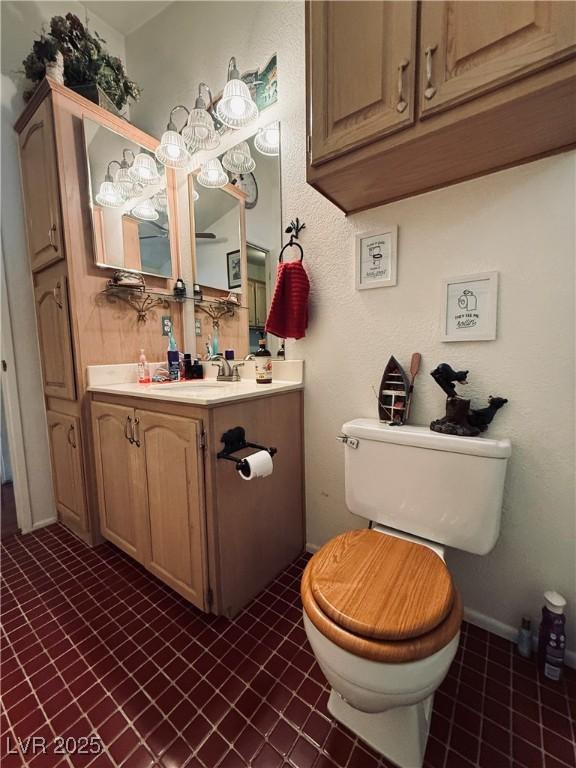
(393, 394)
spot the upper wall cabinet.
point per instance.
(470, 48)
(495, 87)
(362, 58)
(41, 189)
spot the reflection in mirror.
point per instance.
(129, 204)
(218, 258)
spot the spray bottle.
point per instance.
(552, 636)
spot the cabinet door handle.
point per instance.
(57, 291)
(430, 91)
(128, 430)
(51, 233)
(72, 436)
(401, 103)
(135, 432)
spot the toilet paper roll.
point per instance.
(257, 465)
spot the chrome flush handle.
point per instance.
(430, 91)
(401, 103)
(353, 442)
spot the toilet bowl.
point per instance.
(383, 619)
(381, 612)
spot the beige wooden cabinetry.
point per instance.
(65, 437)
(485, 85)
(41, 188)
(360, 88)
(170, 503)
(53, 318)
(77, 325)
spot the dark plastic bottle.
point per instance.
(263, 363)
(552, 636)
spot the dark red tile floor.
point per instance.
(92, 644)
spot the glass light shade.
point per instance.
(161, 202)
(236, 108)
(109, 196)
(145, 210)
(143, 169)
(199, 131)
(172, 151)
(238, 159)
(123, 183)
(267, 140)
(212, 174)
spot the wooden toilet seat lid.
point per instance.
(381, 587)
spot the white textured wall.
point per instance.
(519, 222)
(21, 23)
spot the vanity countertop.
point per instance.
(112, 380)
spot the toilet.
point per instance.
(381, 611)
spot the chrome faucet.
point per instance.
(225, 371)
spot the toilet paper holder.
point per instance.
(235, 440)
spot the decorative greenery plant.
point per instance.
(86, 61)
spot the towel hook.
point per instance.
(293, 230)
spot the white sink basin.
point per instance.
(194, 385)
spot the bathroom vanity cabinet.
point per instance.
(77, 324)
(405, 97)
(167, 500)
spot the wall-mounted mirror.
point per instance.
(218, 262)
(130, 200)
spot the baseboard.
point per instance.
(44, 523)
(485, 622)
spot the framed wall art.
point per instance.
(470, 305)
(233, 263)
(376, 258)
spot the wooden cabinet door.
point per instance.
(67, 470)
(361, 63)
(122, 519)
(469, 48)
(251, 303)
(41, 188)
(54, 334)
(169, 477)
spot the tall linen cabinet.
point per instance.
(77, 324)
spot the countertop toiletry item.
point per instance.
(180, 287)
(552, 636)
(187, 366)
(525, 638)
(215, 342)
(143, 369)
(197, 370)
(173, 358)
(263, 364)
(229, 354)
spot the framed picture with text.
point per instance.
(233, 263)
(376, 258)
(470, 305)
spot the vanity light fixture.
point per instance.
(145, 210)
(238, 159)
(161, 201)
(199, 131)
(108, 195)
(143, 169)
(212, 174)
(172, 151)
(236, 108)
(122, 181)
(267, 140)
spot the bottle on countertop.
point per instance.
(197, 370)
(263, 363)
(552, 636)
(187, 366)
(173, 358)
(143, 369)
(282, 350)
(525, 638)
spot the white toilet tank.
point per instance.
(443, 488)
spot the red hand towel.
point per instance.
(288, 315)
